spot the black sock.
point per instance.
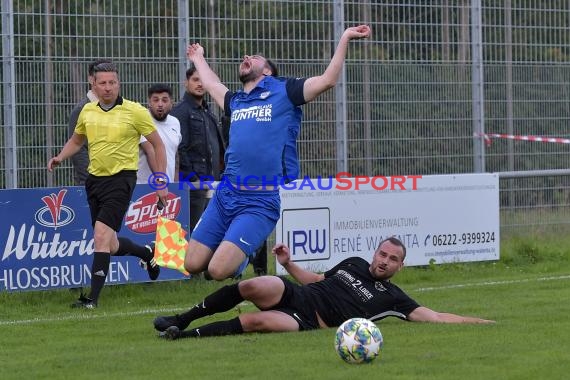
(221, 300)
(99, 270)
(128, 247)
(231, 327)
(259, 262)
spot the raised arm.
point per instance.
(210, 80)
(315, 86)
(281, 252)
(424, 314)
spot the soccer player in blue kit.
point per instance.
(246, 205)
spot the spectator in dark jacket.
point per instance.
(202, 148)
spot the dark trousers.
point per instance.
(259, 262)
(198, 203)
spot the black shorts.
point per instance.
(109, 197)
(296, 304)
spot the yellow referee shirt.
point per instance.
(113, 136)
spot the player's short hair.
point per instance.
(272, 66)
(159, 88)
(91, 68)
(105, 67)
(397, 242)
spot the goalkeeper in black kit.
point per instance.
(353, 288)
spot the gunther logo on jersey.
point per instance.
(307, 233)
(259, 113)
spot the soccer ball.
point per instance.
(358, 340)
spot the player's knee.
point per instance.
(253, 322)
(192, 270)
(98, 235)
(192, 267)
(249, 289)
(219, 273)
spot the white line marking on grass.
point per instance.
(489, 283)
(86, 315)
(92, 314)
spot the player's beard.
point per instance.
(159, 118)
(247, 77)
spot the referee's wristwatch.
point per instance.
(160, 181)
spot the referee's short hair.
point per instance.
(92, 65)
(105, 67)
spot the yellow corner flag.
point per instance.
(170, 246)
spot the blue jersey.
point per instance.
(290, 161)
(259, 129)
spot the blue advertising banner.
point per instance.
(46, 238)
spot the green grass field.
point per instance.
(527, 292)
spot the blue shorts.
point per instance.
(243, 217)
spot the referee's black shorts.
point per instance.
(109, 197)
(296, 304)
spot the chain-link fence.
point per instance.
(410, 100)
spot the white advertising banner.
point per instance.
(440, 218)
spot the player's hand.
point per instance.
(356, 32)
(53, 163)
(282, 254)
(194, 50)
(162, 195)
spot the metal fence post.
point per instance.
(477, 87)
(183, 15)
(340, 94)
(9, 90)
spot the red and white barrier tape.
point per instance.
(489, 136)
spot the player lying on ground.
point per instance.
(353, 288)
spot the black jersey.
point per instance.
(350, 291)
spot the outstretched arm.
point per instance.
(315, 86)
(210, 80)
(281, 252)
(424, 314)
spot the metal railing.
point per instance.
(409, 101)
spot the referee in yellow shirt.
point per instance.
(112, 127)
